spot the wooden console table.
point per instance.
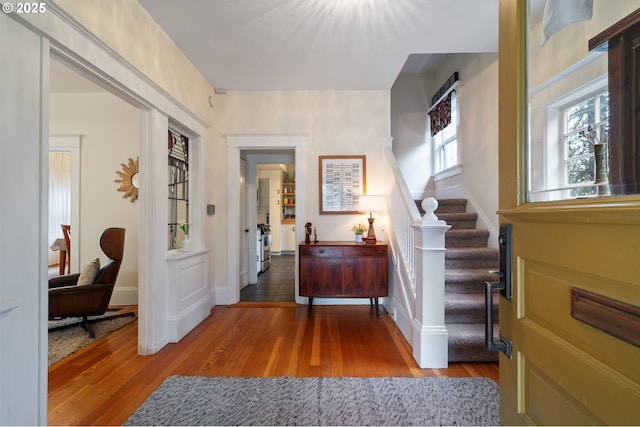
(344, 270)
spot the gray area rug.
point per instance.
(66, 337)
(320, 401)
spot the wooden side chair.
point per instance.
(65, 256)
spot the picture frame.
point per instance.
(342, 180)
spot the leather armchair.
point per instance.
(67, 299)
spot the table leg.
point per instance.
(309, 307)
(377, 310)
(63, 261)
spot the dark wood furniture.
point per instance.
(68, 299)
(344, 270)
(622, 41)
(65, 256)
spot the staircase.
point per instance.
(468, 262)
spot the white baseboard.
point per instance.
(124, 296)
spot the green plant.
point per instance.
(184, 226)
(358, 229)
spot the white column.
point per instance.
(430, 338)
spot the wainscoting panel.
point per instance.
(189, 297)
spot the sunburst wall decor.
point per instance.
(129, 180)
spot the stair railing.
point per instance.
(417, 248)
(402, 214)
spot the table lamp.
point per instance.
(370, 204)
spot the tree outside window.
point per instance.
(585, 122)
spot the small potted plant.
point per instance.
(186, 242)
(359, 230)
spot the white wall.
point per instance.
(335, 122)
(111, 135)
(477, 133)
(410, 99)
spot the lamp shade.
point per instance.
(370, 203)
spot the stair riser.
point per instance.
(464, 288)
(466, 242)
(471, 353)
(471, 315)
(489, 264)
(451, 209)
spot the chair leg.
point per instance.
(87, 327)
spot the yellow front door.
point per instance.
(563, 370)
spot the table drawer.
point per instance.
(365, 251)
(320, 251)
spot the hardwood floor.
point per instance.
(106, 382)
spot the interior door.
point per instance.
(244, 231)
(564, 368)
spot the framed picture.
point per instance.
(342, 180)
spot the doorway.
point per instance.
(110, 130)
(274, 256)
(262, 150)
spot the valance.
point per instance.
(440, 115)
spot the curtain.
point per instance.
(440, 115)
(59, 198)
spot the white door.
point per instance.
(244, 231)
(23, 257)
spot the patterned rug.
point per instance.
(321, 401)
(66, 336)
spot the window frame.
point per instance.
(439, 142)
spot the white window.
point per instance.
(561, 149)
(585, 123)
(445, 142)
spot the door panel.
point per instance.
(562, 371)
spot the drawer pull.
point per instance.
(321, 251)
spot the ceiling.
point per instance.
(262, 45)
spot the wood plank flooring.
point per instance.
(106, 382)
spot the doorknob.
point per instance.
(505, 287)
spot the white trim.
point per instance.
(235, 143)
(447, 173)
(80, 49)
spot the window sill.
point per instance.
(448, 173)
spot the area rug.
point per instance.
(67, 337)
(320, 401)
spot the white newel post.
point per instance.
(430, 338)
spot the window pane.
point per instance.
(580, 170)
(568, 85)
(581, 115)
(578, 146)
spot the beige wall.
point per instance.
(119, 22)
(335, 122)
(477, 133)
(478, 129)
(110, 130)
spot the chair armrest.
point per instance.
(68, 280)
